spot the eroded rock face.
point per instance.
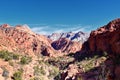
(106, 38)
(66, 45)
(21, 39)
(73, 36)
(71, 73)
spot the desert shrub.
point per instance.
(38, 78)
(39, 70)
(15, 56)
(58, 76)
(25, 60)
(60, 62)
(87, 64)
(8, 55)
(18, 75)
(11, 63)
(53, 72)
(5, 55)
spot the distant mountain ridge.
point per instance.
(73, 36)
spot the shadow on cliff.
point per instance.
(86, 53)
(100, 71)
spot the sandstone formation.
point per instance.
(69, 42)
(21, 39)
(106, 38)
(66, 45)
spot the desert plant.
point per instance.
(58, 76)
(11, 63)
(54, 72)
(60, 62)
(18, 75)
(39, 70)
(38, 78)
(6, 55)
(16, 56)
(25, 60)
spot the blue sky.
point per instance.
(46, 16)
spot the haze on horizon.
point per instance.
(47, 16)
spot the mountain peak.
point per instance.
(74, 36)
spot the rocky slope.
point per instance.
(21, 39)
(68, 42)
(103, 43)
(78, 36)
(21, 54)
(107, 39)
(66, 45)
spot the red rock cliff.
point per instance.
(106, 38)
(21, 39)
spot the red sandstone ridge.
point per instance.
(21, 39)
(66, 45)
(106, 38)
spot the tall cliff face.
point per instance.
(21, 39)
(66, 45)
(106, 38)
(69, 42)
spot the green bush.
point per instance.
(8, 55)
(18, 75)
(87, 64)
(11, 63)
(39, 71)
(53, 72)
(58, 76)
(5, 55)
(15, 56)
(25, 60)
(38, 78)
(60, 62)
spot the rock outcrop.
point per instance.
(66, 45)
(69, 42)
(106, 38)
(21, 39)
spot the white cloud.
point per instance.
(58, 28)
(59, 31)
(40, 29)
